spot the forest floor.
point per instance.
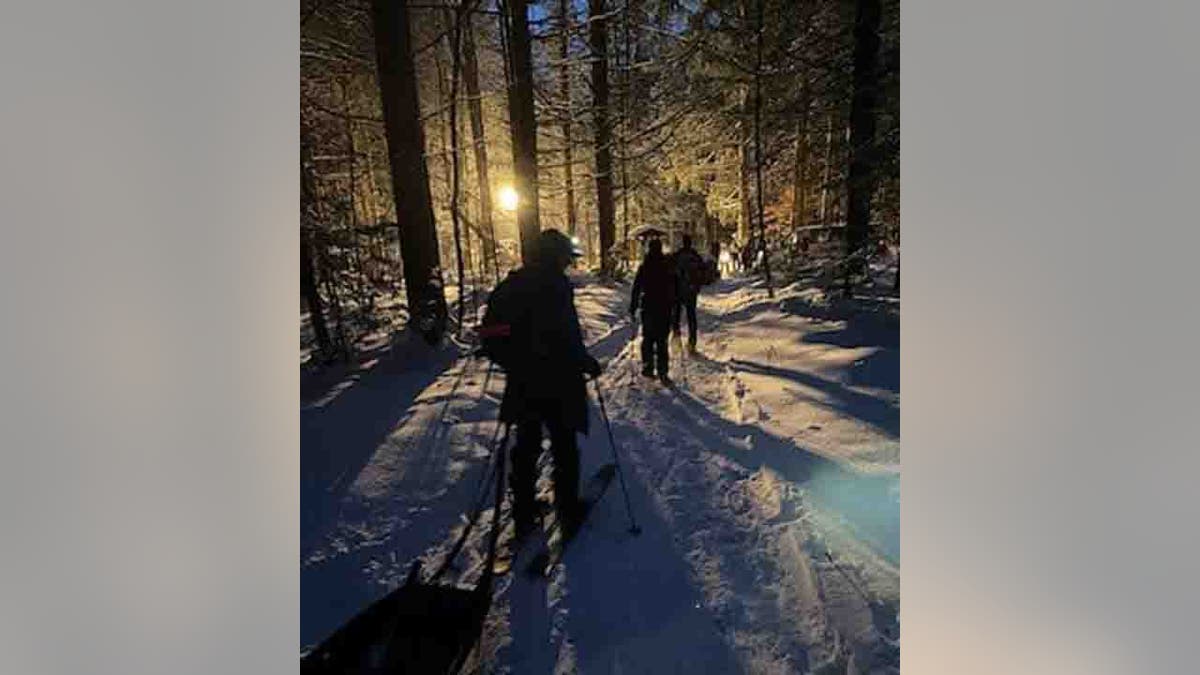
(765, 483)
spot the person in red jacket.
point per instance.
(655, 289)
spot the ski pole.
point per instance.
(633, 526)
(484, 478)
(632, 349)
(683, 358)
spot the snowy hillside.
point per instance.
(766, 485)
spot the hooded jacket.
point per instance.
(550, 380)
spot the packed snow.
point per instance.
(765, 484)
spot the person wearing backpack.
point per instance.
(655, 289)
(693, 273)
(531, 329)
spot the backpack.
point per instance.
(503, 334)
(694, 270)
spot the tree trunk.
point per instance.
(745, 218)
(799, 175)
(362, 287)
(598, 39)
(455, 168)
(524, 126)
(827, 166)
(860, 183)
(479, 140)
(373, 216)
(308, 288)
(625, 55)
(342, 345)
(410, 181)
(758, 153)
(308, 277)
(443, 114)
(564, 86)
(372, 188)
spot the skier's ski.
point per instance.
(593, 492)
(512, 546)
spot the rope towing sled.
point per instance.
(422, 626)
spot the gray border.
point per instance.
(1048, 337)
(149, 487)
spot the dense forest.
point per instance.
(437, 137)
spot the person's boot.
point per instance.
(647, 372)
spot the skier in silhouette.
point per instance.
(655, 289)
(545, 386)
(692, 272)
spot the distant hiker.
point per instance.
(545, 367)
(693, 273)
(655, 288)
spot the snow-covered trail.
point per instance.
(765, 484)
(797, 554)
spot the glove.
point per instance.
(592, 367)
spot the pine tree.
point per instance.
(410, 181)
(524, 127)
(598, 40)
(860, 182)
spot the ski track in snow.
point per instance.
(766, 485)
